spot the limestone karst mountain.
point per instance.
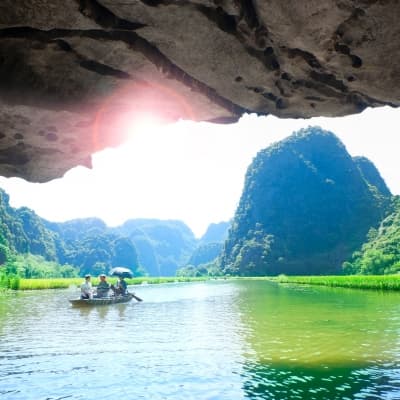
(305, 207)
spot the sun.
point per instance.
(136, 107)
(140, 123)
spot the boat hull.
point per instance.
(102, 301)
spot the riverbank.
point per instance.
(63, 283)
(374, 282)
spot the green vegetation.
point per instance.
(31, 247)
(205, 253)
(48, 283)
(204, 260)
(63, 283)
(10, 281)
(19, 266)
(307, 205)
(211, 269)
(381, 253)
(307, 208)
(92, 247)
(377, 282)
(34, 266)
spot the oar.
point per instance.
(135, 297)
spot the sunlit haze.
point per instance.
(193, 172)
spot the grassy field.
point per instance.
(376, 282)
(60, 283)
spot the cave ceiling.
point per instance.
(75, 73)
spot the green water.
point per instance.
(214, 340)
(322, 343)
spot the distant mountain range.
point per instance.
(307, 207)
(165, 246)
(147, 246)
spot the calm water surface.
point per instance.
(215, 340)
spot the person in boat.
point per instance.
(120, 289)
(86, 288)
(103, 287)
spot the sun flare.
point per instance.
(141, 123)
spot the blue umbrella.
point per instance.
(122, 272)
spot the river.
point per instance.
(211, 340)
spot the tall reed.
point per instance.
(63, 283)
(377, 282)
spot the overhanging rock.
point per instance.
(77, 76)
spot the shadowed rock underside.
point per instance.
(77, 76)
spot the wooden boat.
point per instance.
(104, 300)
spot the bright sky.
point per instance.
(193, 172)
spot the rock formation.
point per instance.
(306, 206)
(77, 75)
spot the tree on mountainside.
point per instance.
(380, 254)
(205, 253)
(124, 253)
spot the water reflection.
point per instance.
(182, 342)
(218, 340)
(319, 343)
(334, 383)
(101, 312)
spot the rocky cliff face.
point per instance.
(75, 73)
(306, 206)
